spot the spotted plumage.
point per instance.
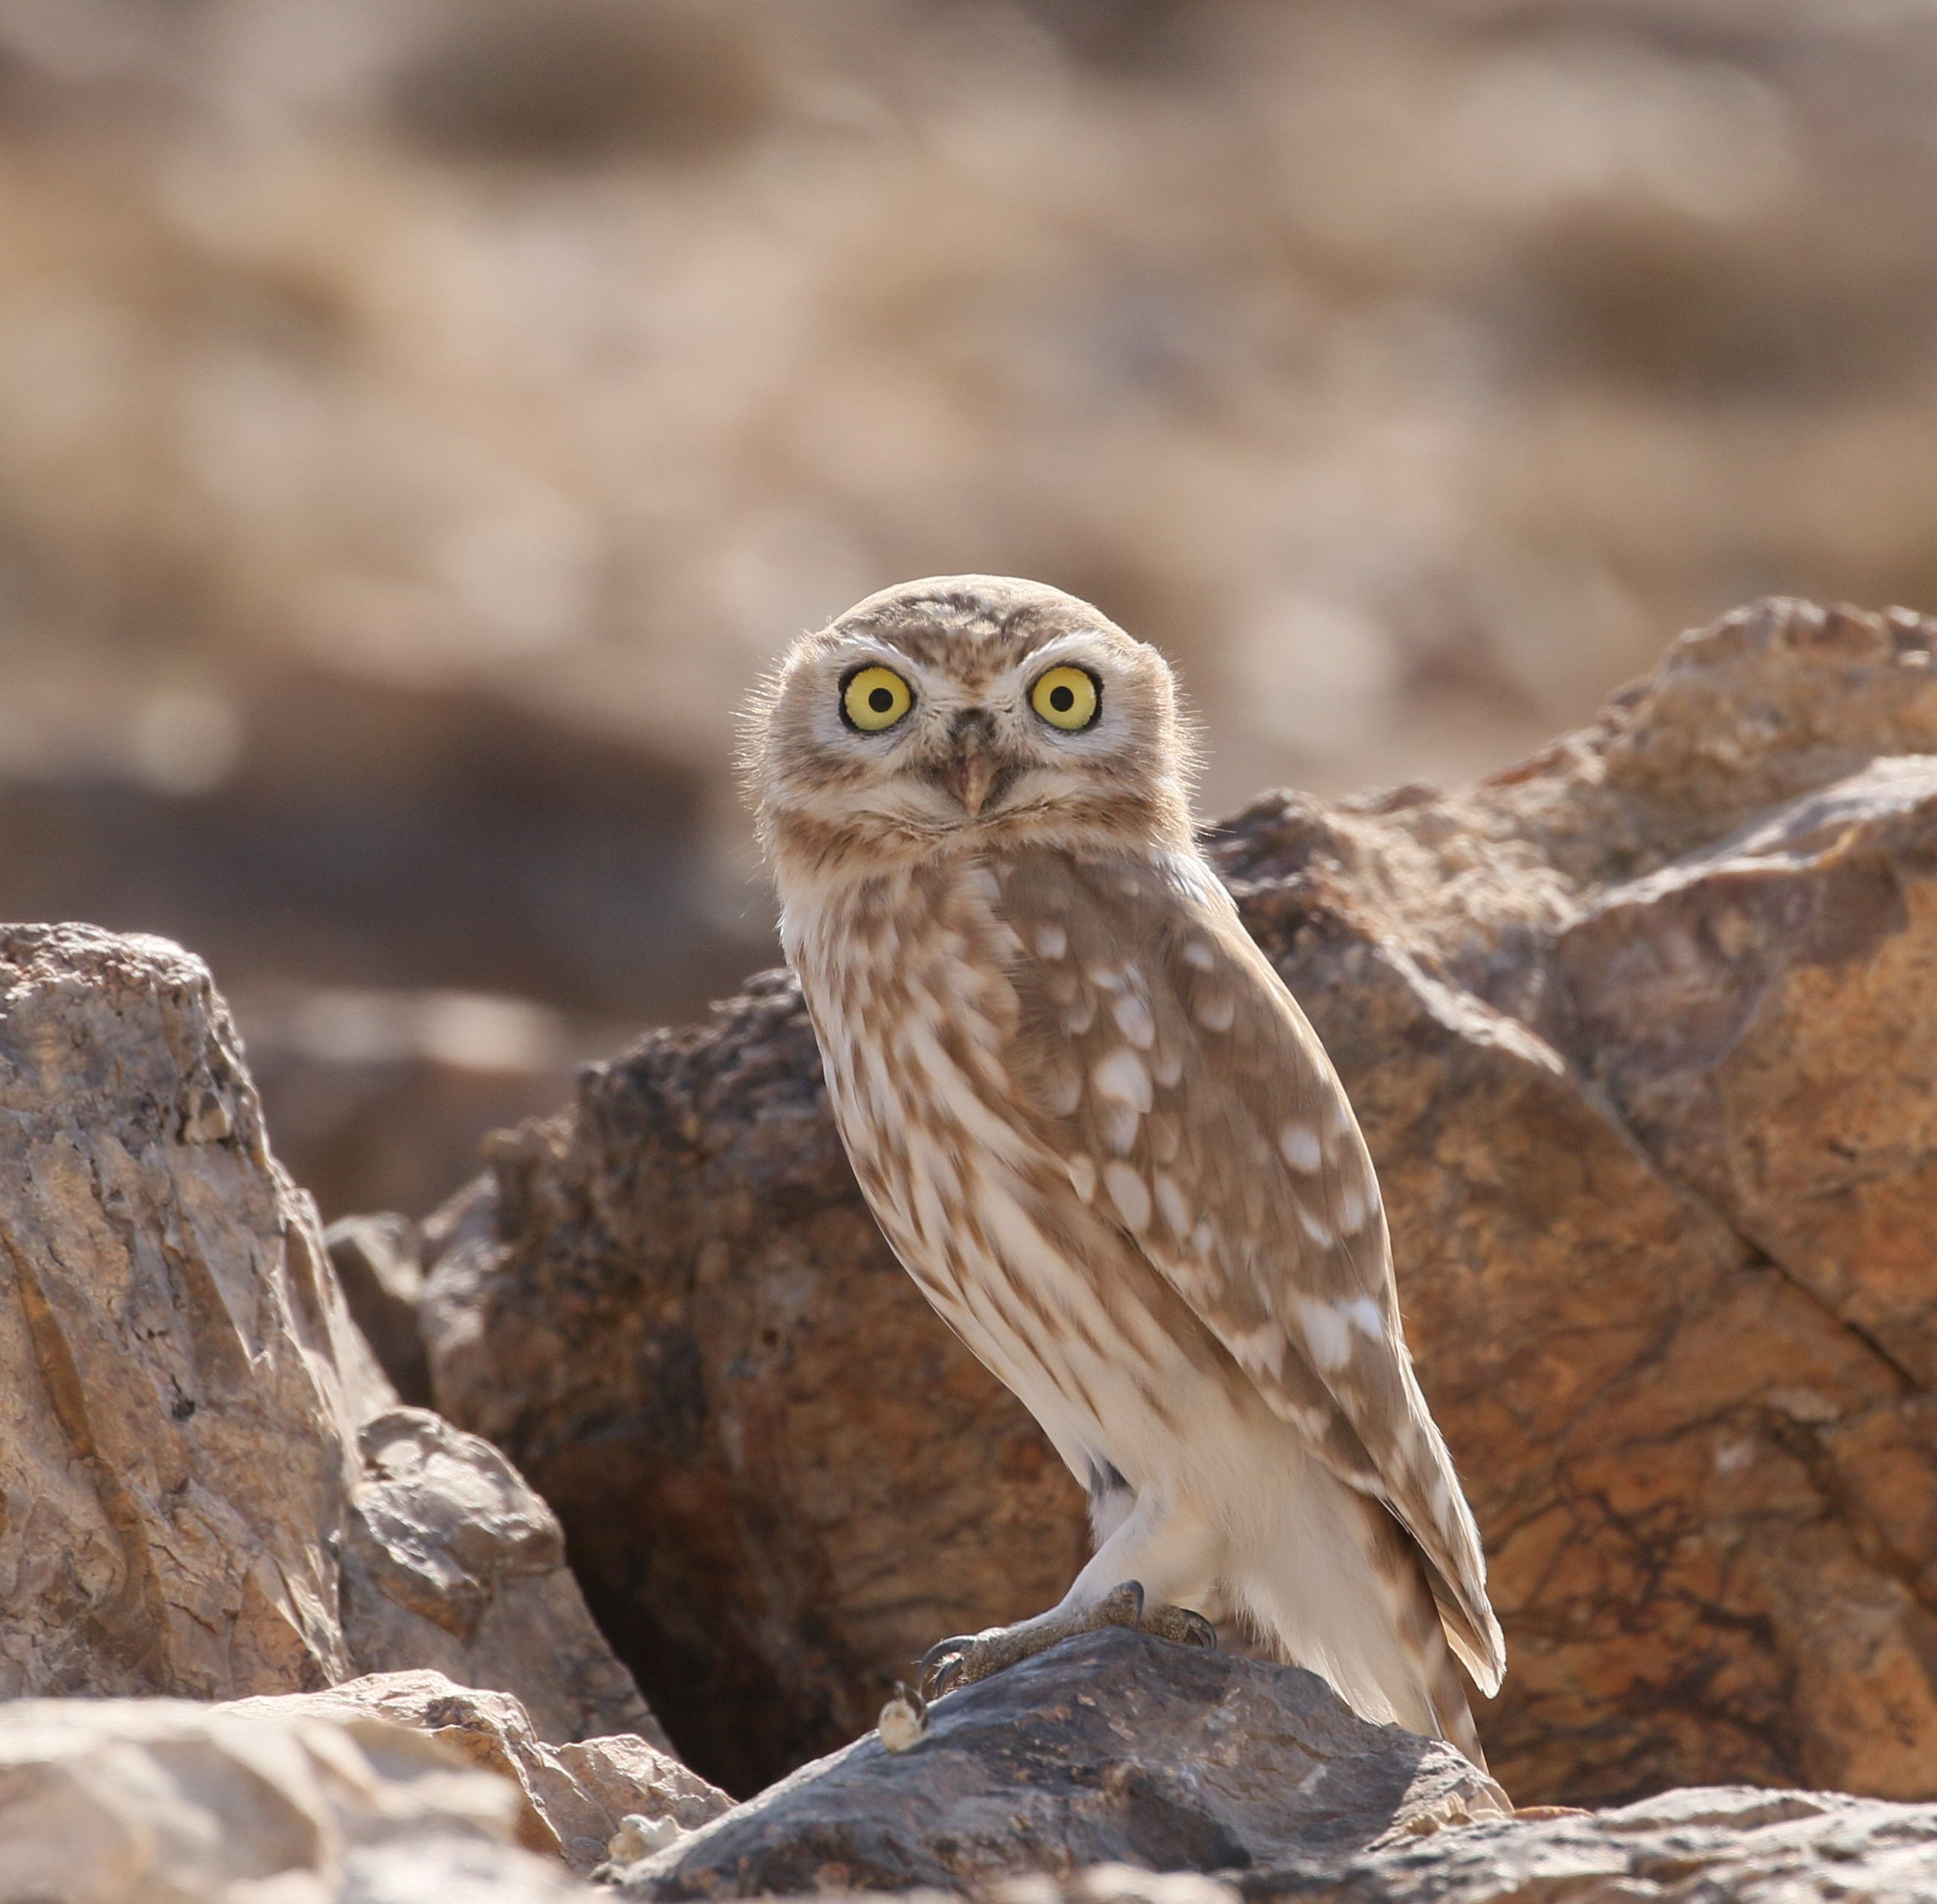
(1100, 1134)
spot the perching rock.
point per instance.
(1116, 1747)
(160, 1801)
(575, 1796)
(1641, 1034)
(208, 1489)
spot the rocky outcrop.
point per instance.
(451, 1562)
(575, 1797)
(160, 1801)
(208, 1489)
(178, 1454)
(1113, 1748)
(1640, 1034)
(1725, 1845)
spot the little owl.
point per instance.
(1101, 1137)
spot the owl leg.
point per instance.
(1152, 1558)
(970, 1657)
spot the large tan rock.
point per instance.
(161, 1801)
(1641, 1037)
(177, 1444)
(574, 1797)
(452, 1562)
(208, 1489)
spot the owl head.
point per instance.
(966, 714)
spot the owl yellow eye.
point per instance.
(875, 698)
(1066, 698)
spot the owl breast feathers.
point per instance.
(1100, 1134)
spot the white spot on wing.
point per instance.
(1354, 1206)
(1127, 1193)
(1300, 1145)
(1134, 1021)
(1118, 1123)
(1315, 1226)
(1262, 1347)
(1082, 1174)
(1170, 1201)
(1121, 1078)
(1364, 1315)
(1326, 1335)
(1215, 1011)
(1200, 955)
(1051, 941)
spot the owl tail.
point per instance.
(1338, 1586)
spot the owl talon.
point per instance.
(970, 1657)
(1181, 1625)
(942, 1664)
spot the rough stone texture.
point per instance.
(190, 1507)
(377, 1263)
(1717, 1845)
(1640, 1032)
(163, 1802)
(1114, 1747)
(574, 1796)
(176, 1444)
(452, 1563)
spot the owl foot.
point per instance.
(970, 1657)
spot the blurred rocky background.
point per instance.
(419, 418)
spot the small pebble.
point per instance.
(903, 1723)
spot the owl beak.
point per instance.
(973, 773)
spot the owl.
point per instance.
(1098, 1131)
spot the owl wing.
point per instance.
(1166, 1059)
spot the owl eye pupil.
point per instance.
(1062, 699)
(881, 699)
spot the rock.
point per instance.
(1640, 1034)
(378, 1265)
(1115, 1748)
(1719, 1845)
(178, 1452)
(160, 1801)
(575, 1796)
(208, 1488)
(452, 1563)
